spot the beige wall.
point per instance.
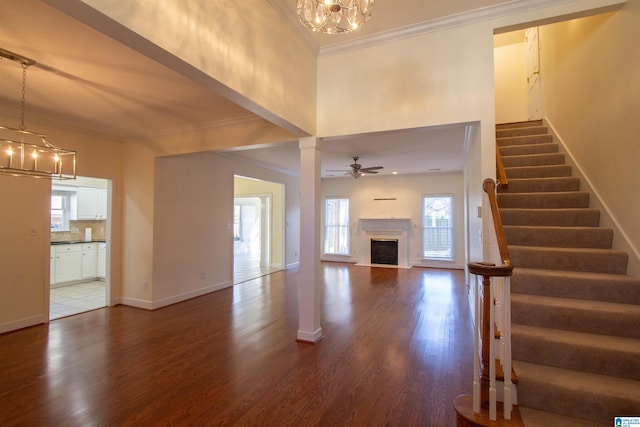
(591, 94)
(510, 64)
(246, 46)
(252, 187)
(408, 191)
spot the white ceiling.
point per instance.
(87, 80)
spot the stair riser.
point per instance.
(551, 217)
(524, 140)
(600, 238)
(521, 150)
(587, 358)
(538, 171)
(539, 395)
(533, 160)
(558, 200)
(576, 319)
(541, 185)
(525, 124)
(524, 131)
(606, 288)
(596, 261)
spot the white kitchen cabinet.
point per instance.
(92, 203)
(89, 260)
(102, 260)
(68, 263)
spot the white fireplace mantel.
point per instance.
(384, 228)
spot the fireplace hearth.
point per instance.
(384, 251)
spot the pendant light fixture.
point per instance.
(334, 16)
(25, 153)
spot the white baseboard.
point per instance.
(293, 265)
(25, 322)
(174, 299)
(310, 337)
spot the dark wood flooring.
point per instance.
(397, 350)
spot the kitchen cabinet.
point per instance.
(102, 260)
(92, 203)
(89, 267)
(52, 265)
(68, 263)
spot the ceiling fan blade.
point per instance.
(372, 168)
(338, 170)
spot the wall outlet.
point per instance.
(201, 275)
(145, 284)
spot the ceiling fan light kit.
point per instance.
(357, 170)
(334, 16)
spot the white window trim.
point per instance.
(451, 227)
(324, 228)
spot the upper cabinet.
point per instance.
(92, 203)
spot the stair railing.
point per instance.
(501, 173)
(495, 286)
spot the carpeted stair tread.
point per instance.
(576, 284)
(537, 418)
(600, 354)
(526, 123)
(520, 150)
(566, 237)
(533, 160)
(578, 217)
(544, 200)
(571, 314)
(573, 259)
(534, 185)
(565, 391)
(521, 131)
(544, 171)
(527, 139)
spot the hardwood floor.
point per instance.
(397, 350)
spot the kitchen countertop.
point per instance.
(71, 242)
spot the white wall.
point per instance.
(591, 93)
(408, 191)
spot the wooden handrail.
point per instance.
(503, 181)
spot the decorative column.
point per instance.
(309, 291)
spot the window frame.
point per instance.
(65, 209)
(345, 227)
(424, 250)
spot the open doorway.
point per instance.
(79, 246)
(258, 241)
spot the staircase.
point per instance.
(575, 313)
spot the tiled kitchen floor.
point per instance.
(74, 299)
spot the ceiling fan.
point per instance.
(357, 170)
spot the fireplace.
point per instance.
(395, 230)
(384, 251)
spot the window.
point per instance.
(336, 227)
(60, 210)
(437, 227)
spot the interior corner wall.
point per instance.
(193, 223)
(591, 95)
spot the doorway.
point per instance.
(80, 224)
(257, 230)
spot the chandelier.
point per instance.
(334, 16)
(25, 153)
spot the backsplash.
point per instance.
(76, 231)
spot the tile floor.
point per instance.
(74, 299)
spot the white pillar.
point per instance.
(309, 292)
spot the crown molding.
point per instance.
(451, 21)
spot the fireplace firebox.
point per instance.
(384, 251)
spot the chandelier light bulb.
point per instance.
(334, 16)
